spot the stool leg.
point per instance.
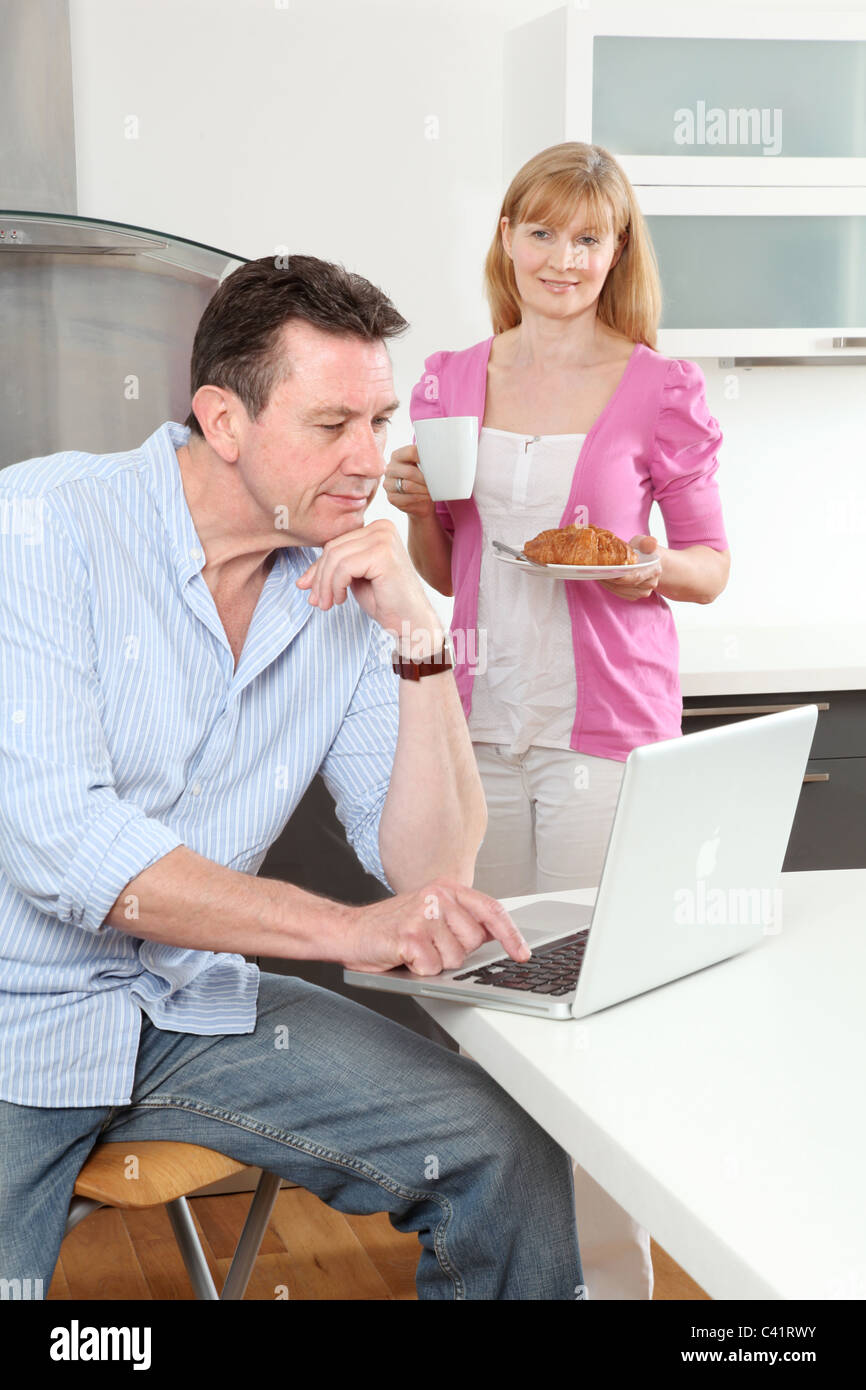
(80, 1207)
(258, 1217)
(186, 1235)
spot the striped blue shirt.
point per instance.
(125, 731)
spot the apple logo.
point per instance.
(707, 854)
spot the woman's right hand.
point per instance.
(413, 499)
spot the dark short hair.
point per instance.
(235, 342)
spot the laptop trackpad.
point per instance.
(539, 923)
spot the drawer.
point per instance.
(829, 830)
(841, 727)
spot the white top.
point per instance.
(720, 1110)
(525, 688)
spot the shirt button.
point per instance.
(195, 789)
(195, 553)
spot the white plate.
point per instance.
(646, 568)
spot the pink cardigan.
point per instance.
(655, 440)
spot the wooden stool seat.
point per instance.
(165, 1169)
(164, 1173)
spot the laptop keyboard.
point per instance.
(552, 969)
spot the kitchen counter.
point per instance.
(739, 660)
(720, 1110)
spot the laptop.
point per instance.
(691, 876)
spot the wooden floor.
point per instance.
(309, 1252)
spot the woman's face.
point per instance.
(560, 271)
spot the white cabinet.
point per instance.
(718, 96)
(760, 272)
(744, 136)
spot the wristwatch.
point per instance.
(413, 668)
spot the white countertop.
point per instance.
(739, 660)
(724, 1110)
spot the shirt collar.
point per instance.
(166, 486)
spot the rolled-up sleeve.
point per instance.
(358, 766)
(685, 461)
(69, 843)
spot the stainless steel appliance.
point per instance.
(98, 323)
(97, 318)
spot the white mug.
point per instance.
(448, 455)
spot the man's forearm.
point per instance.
(186, 900)
(435, 816)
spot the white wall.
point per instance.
(794, 455)
(307, 126)
(263, 124)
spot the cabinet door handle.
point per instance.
(817, 777)
(849, 342)
(693, 713)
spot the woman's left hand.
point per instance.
(632, 586)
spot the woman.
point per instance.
(580, 420)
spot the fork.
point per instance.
(518, 554)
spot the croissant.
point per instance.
(579, 545)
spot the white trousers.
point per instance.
(549, 817)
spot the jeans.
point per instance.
(348, 1104)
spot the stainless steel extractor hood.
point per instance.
(97, 318)
(37, 124)
(96, 327)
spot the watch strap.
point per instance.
(413, 668)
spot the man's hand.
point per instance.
(432, 929)
(373, 561)
(632, 586)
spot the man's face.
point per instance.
(315, 456)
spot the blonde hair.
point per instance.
(549, 189)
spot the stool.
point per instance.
(168, 1172)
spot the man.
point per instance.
(191, 632)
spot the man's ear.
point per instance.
(218, 412)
